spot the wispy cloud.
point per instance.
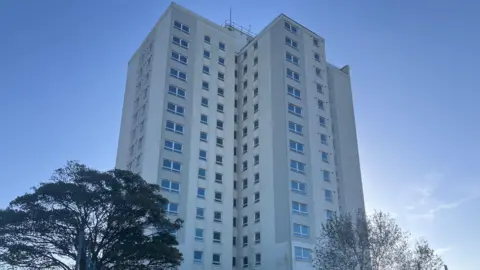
(425, 203)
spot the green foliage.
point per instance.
(118, 215)
(372, 242)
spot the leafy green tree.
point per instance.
(370, 242)
(89, 219)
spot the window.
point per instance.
(297, 110)
(203, 136)
(216, 259)
(171, 165)
(318, 72)
(315, 42)
(298, 187)
(220, 92)
(297, 166)
(328, 195)
(176, 109)
(206, 54)
(255, 61)
(299, 208)
(235, 185)
(182, 27)
(256, 178)
(301, 230)
(199, 234)
(218, 178)
(180, 42)
(179, 57)
(200, 213)
(322, 121)
(302, 254)
(255, 45)
(234, 261)
(202, 154)
(221, 46)
(319, 88)
(245, 183)
(176, 91)
(197, 256)
(257, 238)
(204, 102)
(220, 124)
(219, 142)
(329, 214)
(321, 104)
(292, 43)
(202, 173)
(205, 85)
(295, 128)
(255, 108)
(257, 197)
(219, 160)
(206, 39)
(245, 262)
(201, 193)
(294, 92)
(293, 75)
(317, 57)
(178, 74)
(204, 119)
(221, 76)
(245, 221)
(245, 241)
(170, 186)
(245, 84)
(256, 142)
(221, 61)
(255, 124)
(325, 157)
(234, 241)
(217, 237)
(255, 92)
(245, 131)
(171, 208)
(220, 108)
(234, 222)
(323, 139)
(217, 216)
(218, 196)
(245, 165)
(245, 202)
(245, 116)
(258, 259)
(290, 28)
(326, 176)
(256, 159)
(291, 58)
(257, 217)
(296, 147)
(206, 70)
(255, 76)
(173, 146)
(245, 100)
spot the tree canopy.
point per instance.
(98, 220)
(370, 242)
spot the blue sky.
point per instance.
(414, 76)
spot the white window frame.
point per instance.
(293, 75)
(324, 139)
(294, 92)
(292, 43)
(301, 230)
(292, 58)
(296, 146)
(172, 165)
(173, 146)
(214, 261)
(206, 54)
(305, 254)
(328, 194)
(296, 166)
(181, 26)
(169, 210)
(174, 129)
(291, 28)
(175, 109)
(182, 59)
(195, 260)
(326, 175)
(201, 190)
(201, 176)
(199, 237)
(298, 187)
(297, 128)
(177, 74)
(169, 186)
(177, 91)
(297, 208)
(180, 42)
(202, 154)
(325, 157)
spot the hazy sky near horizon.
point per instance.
(414, 75)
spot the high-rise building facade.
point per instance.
(251, 137)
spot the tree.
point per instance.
(373, 242)
(107, 220)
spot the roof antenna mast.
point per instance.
(230, 16)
